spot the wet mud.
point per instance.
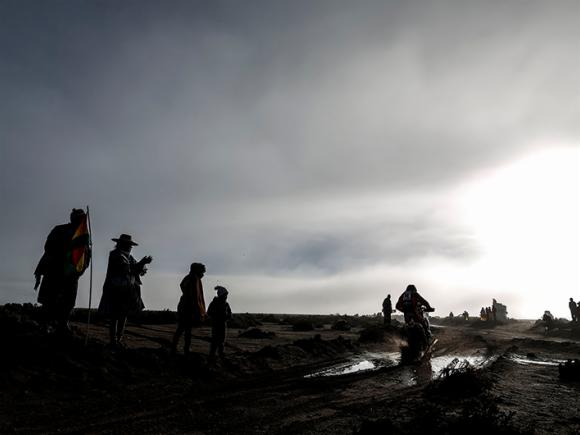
(280, 380)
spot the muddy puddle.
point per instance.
(534, 360)
(476, 360)
(361, 363)
(374, 361)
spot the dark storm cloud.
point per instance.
(174, 118)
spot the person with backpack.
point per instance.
(413, 305)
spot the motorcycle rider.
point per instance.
(412, 304)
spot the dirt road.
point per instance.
(290, 383)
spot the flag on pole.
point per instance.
(79, 255)
(89, 230)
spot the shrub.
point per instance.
(303, 326)
(341, 325)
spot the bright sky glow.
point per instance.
(526, 219)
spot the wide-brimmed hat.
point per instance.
(221, 290)
(125, 238)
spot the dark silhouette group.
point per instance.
(67, 254)
(488, 314)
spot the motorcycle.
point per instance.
(416, 338)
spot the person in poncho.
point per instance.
(191, 307)
(219, 312)
(122, 287)
(387, 310)
(60, 268)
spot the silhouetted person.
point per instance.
(573, 310)
(122, 287)
(465, 315)
(412, 304)
(488, 314)
(482, 315)
(191, 307)
(548, 319)
(494, 312)
(387, 310)
(219, 312)
(58, 271)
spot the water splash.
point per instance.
(372, 361)
(441, 362)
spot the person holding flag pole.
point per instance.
(67, 254)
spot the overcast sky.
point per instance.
(315, 155)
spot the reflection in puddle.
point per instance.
(347, 369)
(520, 359)
(430, 370)
(363, 363)
(440, 362)
(410, 375)
(425, 372)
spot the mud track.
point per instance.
(264, 387)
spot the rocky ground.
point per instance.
(286, 375)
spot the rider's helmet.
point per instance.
(411, 288)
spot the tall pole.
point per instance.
(90, 276)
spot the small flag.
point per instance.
(79, 256)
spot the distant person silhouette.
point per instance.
(548, 319)
(58, 273)
(573, 310)
(122, 287)
(387, 310)
(191, 308)
(219, 312)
